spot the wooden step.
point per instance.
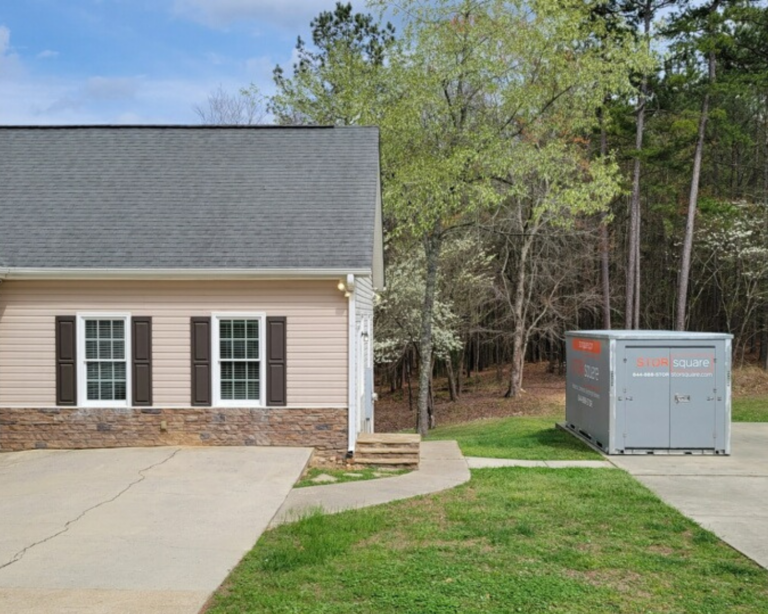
(391, 449)
(400, 460)
(389, 438)
(388, 450)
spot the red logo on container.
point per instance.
(591, 346)
(652, 363)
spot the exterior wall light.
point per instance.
(348, 286)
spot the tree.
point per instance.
(246, 107)
(490, 143)
(699, 30)
(643, 12)
(332, 81)
(484, 127)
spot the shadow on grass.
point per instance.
(559, 440)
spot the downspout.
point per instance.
(351, 364)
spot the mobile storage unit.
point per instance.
(645, 392)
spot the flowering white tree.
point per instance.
(733, 255)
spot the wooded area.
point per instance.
(551, 165)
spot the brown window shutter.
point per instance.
(66, 360)
(201, 362)
(276, 361)
(141, 342)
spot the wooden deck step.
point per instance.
(390, 449)
(400, 438)
(400, 460)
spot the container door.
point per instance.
(692, 398)
(645, 396)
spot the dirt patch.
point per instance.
(622, 580)
(662, 550)
(750, 381)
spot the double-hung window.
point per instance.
(238, 366)
(104, 359)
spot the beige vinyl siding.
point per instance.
(316, 343)
(363, 297)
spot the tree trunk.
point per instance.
(432, 245)
(631, 318)
(764, 317)
(518, 336)
(431, 403)
(452, 392)
(518, 362)
(408, 371)
(764, 348)
(685, 261)
(636, 310)
(605, 255)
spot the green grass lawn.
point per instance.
(523, 438)
(574, 541)
(750, 409)
(536, 438)
(347, 475)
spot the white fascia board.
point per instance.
(177, 274)
(379, 280)
(351, 370)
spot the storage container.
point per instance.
(646, 392)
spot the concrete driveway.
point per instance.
(725, 494)
(133, 529)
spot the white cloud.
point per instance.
(10, 64)
(48, 54)
(100, 100)
(46, 96)
(222, 13)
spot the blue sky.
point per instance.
(139, 61)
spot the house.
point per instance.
(178, 285)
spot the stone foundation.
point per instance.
(79, 428)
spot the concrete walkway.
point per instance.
(725, 494)
(133, 530)
(442, 466)
(476, 462)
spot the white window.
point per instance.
(238, 365)
(103, 350)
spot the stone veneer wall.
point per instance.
(78, 428)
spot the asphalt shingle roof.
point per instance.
(188, 197)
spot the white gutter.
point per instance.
(175, 274)
(351, 360)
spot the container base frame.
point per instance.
(588, 440)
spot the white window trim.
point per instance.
(82, 376)
(216, 358)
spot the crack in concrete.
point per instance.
(142, 473)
